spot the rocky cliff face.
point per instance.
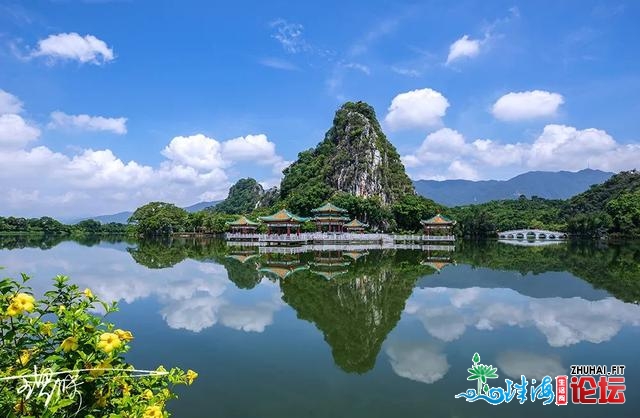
(355, 157)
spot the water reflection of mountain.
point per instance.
(357, 309)
(612, 267)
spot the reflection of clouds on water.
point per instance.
(446, 313)
(532, 365)
(193, 295)
(419, 362)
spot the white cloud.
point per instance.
(9, 103)
(60, 120)
(418, 362)
(255, 148)
(463, 47)
(422, 108)
(527, 105)
(446, 154)
(461, 170)
(568, 147)
(195, 296)
(197, 151)
(532, 365)
(72, 46)
(563, 321)
(16, 132)
(290, 36)
(93, 182)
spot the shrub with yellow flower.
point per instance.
(68, 336)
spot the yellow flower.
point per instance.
(24, 357)
(191, 376)
(19, 303)
(153, 412)
(147, 394)
(124, 335)
(69, 344)
(95, 372)
(12, 310)
(46, 328)
(126, 389)
(109, 342)
(87, 292)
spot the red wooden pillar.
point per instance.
(288, 230)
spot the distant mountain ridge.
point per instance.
(545, 184)
(122, 217)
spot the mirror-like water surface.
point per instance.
(358, 333)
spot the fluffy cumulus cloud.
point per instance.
(15, 131)
(447, 154)
(533, 365)
(447, 313)
(464, 47)
(527, 105)
(60, 120)
(423, 108)
(74, 47)
(419, 362)
(9, 103)
(91, 182)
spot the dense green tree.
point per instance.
(411, 209)
(159, 218)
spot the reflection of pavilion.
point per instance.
(355, 255)
(436, 264)
(329, 264)
(437, 259)
(242, 254)
(280, 266)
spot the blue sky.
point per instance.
(106, 105)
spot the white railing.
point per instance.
(351, 247)
(339, 237)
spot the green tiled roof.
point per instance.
(329, 207)
(283, 215)
(438, 220)
(242, 221)
(355, 224)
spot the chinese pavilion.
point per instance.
(355, 226)
(329, 217)
(243, 226)
(283, 222)
(438, 225)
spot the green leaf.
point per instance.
(476, 358)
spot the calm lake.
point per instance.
(377, 333)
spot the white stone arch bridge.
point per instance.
(537, 234)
